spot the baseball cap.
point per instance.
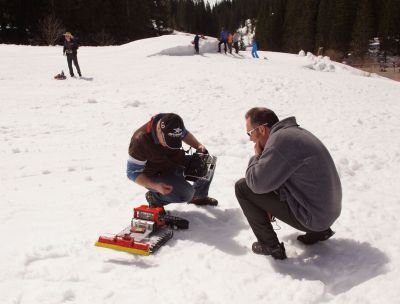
(172, 129)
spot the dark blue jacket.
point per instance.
(224, 36)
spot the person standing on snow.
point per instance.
(254, 48)
(156, 161)
(235, 39)
(223, 40)
(291, 177)
(230, 41)
(196, 41)
(71, 51)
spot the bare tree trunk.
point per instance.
(50, 29)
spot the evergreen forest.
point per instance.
(342, 26)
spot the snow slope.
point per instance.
(62, 176)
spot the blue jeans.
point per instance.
(254, 53)
(182, 190)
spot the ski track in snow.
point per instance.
(63, 157)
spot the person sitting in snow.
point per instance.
(156, 162)
(71, 51)
(291, 177)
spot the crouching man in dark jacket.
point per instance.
(156, 161)
(291, 177)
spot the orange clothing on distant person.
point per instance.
(230, 38)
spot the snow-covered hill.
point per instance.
(63, 158)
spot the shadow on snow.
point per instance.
(340, 264)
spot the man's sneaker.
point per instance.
(153, 203)
(278, 252)
(313, 237)
(204, 201)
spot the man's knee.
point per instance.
(188, 195)
(240, 187)
(184, 194)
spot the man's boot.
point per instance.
(204, 201)
(278, 251)
(152, 201)
(313, 237)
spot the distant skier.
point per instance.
(71, 51)
(254, 48)
(235, 39)
(223, 40)
(156, 162)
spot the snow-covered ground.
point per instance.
(63, 158)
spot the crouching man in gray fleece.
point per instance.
(291, 177)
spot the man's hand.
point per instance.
(258, 149)
(202, 149)
(144, 181)
(163, 188)
(194, 143)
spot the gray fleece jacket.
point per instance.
(297, 165)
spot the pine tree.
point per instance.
(210, 27)
(342, 24)
(324, 17)
(364, 27)
(389, 25)
(160, 12)
(270, 24)
(291, 27)
(262, 27)
(309, 25)
(300, 25)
